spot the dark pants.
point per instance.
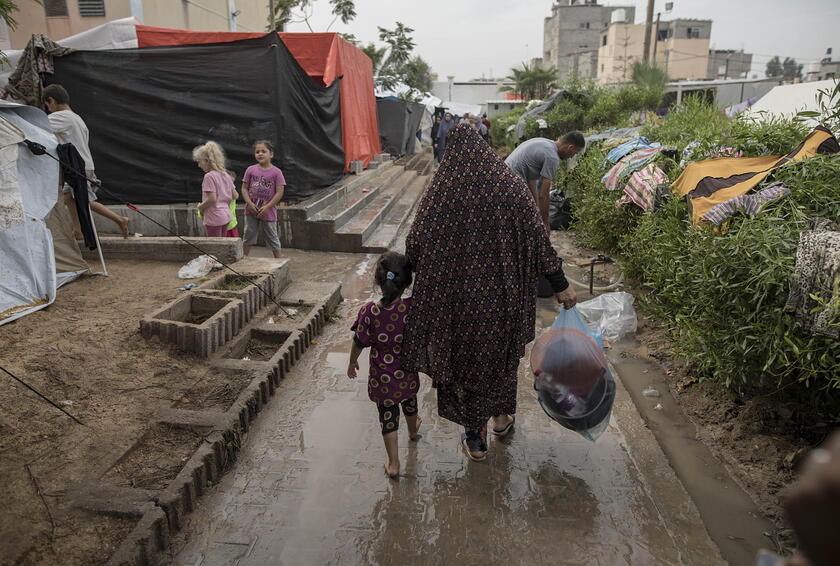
(389, 417)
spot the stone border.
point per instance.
(202, 339)
(206, 338)
(161, 514)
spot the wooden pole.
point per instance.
(655, 38)
(648, 26)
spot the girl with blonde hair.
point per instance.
(217, 189)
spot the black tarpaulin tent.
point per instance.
(147, 108)
(398, 124)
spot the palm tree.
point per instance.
(532, 82)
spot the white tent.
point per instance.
(116, 34)
(37, 250)
(787, 100)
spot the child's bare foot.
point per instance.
(414, 431)
(392, 470)
(123, 222)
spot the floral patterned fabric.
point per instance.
(477, 246)
(383, 330)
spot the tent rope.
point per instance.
(41, 395)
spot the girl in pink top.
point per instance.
(217, 189)
(262, 189)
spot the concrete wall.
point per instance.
(621, 46)
(728, 93)
(32, 17)
(729, 64)
(684, 59)
(497, 107)
(469, 92)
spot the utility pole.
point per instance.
(232, 13)
(271, 16)
(648, 26)
(655, 38)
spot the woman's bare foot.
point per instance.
(123, 222)
(392, 470)
(414, 431)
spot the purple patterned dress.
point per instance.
(383, 330)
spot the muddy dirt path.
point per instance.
(309, 486)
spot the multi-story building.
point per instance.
(572, 33)
(62, 18)
(729, 64)
(825, 69)
(681, 49)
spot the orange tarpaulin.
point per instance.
(325, 57)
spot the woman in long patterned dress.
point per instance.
(476, 246)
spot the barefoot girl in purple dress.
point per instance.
(380, 326)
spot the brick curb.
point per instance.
(161, 513)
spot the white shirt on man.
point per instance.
(69, 127)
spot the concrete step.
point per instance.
(420, 161)
(356, 198)
(395, 221)
(352, 236)
(308, 208)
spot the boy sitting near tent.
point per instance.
(69, 127)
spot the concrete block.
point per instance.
(356, 167)
(176, 322)
(165, 248)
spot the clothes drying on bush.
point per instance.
(814, 300)
(643, 186)
(630, 163)
(747, 204)
(714, 181)
(628, 147)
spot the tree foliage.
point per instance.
(395, 63)
(790, 69)
(289, 11)
(774, 68)
(649, 76)
(418, 74)
(532, 82)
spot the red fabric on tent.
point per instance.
(325, 57)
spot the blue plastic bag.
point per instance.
(571, 319)
(571, 376)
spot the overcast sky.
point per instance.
(471, 38)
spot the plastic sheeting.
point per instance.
(787, 100)
(325, 57)
(147, 108)
(116, 34)
(398, 125)
(27, 277)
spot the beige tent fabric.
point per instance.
(68, 257)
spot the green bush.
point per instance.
(499, 135)
(721, 290)
(768, 137)
(724, 294)
(597, 220)
(693, 120)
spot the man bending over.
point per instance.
(537, 160)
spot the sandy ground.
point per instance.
(86, 353)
